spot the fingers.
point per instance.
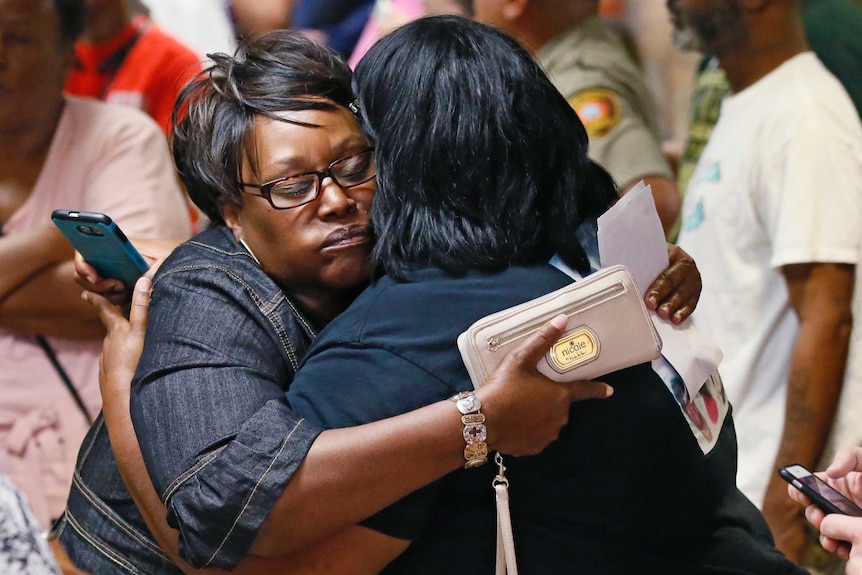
(833, 546)
(674, 294)
(88, 278)
(797, 495)
(85, 274)
(109, 314)
(140, 305)
(846, 460)
(814, 515)
(842, 528)
(529, 352)
(662, 294)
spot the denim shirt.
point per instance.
(223, 342)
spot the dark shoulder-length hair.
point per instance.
(481, 163)
(213, 120)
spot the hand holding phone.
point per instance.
(102, 244)
(821, 494)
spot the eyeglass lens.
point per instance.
(347, 173)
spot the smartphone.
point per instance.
(103, 244)
(818, 491)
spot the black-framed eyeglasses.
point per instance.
(297, 190)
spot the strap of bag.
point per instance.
(52, 357)
(506, 563)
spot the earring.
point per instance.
(245, 245)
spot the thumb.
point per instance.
(140, 305)
(530, 351)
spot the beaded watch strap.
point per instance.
(475, 432)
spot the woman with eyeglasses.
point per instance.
(269, 147)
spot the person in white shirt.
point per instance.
(772, 215)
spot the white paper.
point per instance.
(691, 352)
(631, 234)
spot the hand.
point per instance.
(154, 251)
(674, 293)
(845, 473)
(88, 278)
(123, 343)
(525, 410)
(835, 529)
(839, 534)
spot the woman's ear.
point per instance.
(230, 212)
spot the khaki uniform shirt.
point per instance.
(590, 66)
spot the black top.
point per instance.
(625, 489)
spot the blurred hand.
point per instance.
(674, 293)
(839, 534)
(525, 410)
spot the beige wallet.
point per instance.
(609, 329)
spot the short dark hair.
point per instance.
(481, 163)
(71, 16)
(213, 120)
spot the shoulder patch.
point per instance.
(598, 109)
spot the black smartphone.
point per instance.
(818, 491)
(103, 244)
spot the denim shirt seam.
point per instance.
(189, 473)
(253, 492)
(124, 526)
(269, 311)
(121, 561)
(85, 451)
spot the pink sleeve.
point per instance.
(133, 180)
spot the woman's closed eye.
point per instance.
(295, 187)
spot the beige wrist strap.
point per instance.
(506, 563)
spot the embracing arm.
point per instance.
(387, 459)
(820, 295)
(383, 461)
(337, 554)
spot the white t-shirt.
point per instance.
(780, 182)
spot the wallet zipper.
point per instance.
(495, 341)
